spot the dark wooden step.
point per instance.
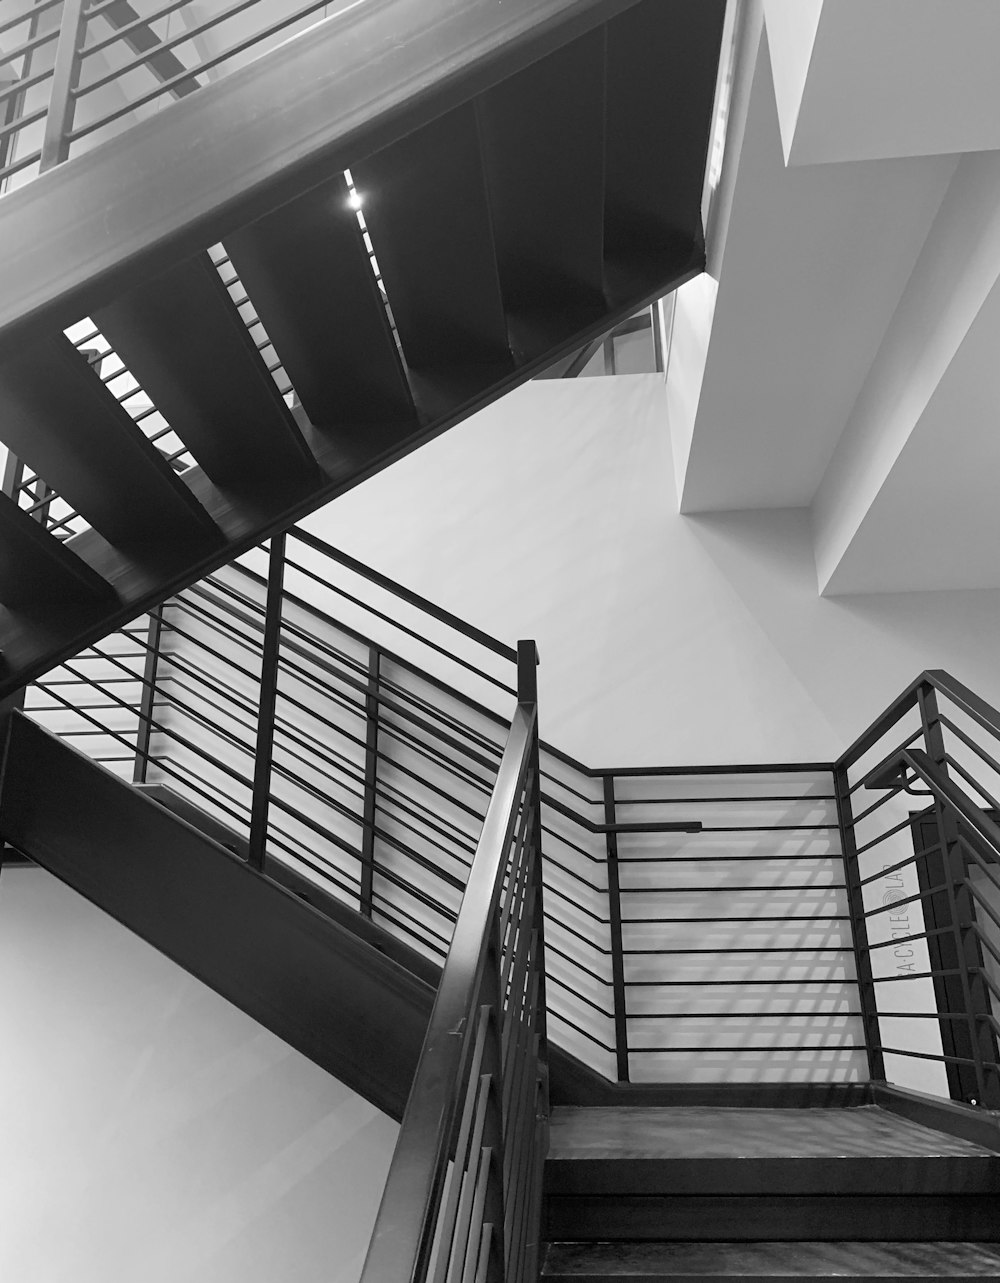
(61, 420)
(546, 189)
(705, 1262)
(659, 104)
(322, 988)
(182, 337)
(307, 271)
(765, 1216)
(426, 206)
(718, 1151)
(37, 568)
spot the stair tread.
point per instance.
(182, 337)
(105, 467)
(35, 567)
(425, 203)
(546, 191)
(306, 269)
(696, 1133)
(652, 1260)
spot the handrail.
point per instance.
(956, 798)
(407, 1224)
(915, 867)
(404, 594)
(938, 679)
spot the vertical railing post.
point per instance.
(147, 704)
(367, 890)
(527, 693)
(969, 997)
(267, 703)
(62, 101)
(615, 916)
(859, 926)
(13, 476)
(656, 330)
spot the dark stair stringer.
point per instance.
(336, 986)
(329, 991)
(476, 134)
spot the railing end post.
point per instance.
(527, 674)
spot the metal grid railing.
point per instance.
(918, 798)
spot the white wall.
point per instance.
(151, 1130)
(664, 639)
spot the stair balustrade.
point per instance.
(85, 70)
(917, 794)
(346, 733)
(462, 1198)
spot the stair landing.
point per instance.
(701, 1131)
(649, 1262)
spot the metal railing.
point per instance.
(81, 71)
(346, 729)
(318, 747)
(462, 1199)
(918, 801)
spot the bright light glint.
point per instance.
(354, 200)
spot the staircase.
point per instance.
(743, 1138)
(366, 276)
(437, 202)
(726, 1193)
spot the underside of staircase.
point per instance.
(529, 175)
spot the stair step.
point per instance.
(700, 1150)
(652, 210)
(104, 467)
(546, 189)
(764, 1216)
(426, 206)
(183, 338)
(650, 1262)
(689, 1172)
(36, 568)
(308, 273)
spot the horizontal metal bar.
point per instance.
(742, 1015)
(901, 864)
(33, 43)
(726, 889)
(801, 948)
(747, 1048)
(39, 7)
(123, 32)
(896, 828)
(910, 939)
(819, 917)
(929, 1055)
(404, 594)
(917, 975)
(743, 768)
(711, 801)
(904, 900)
